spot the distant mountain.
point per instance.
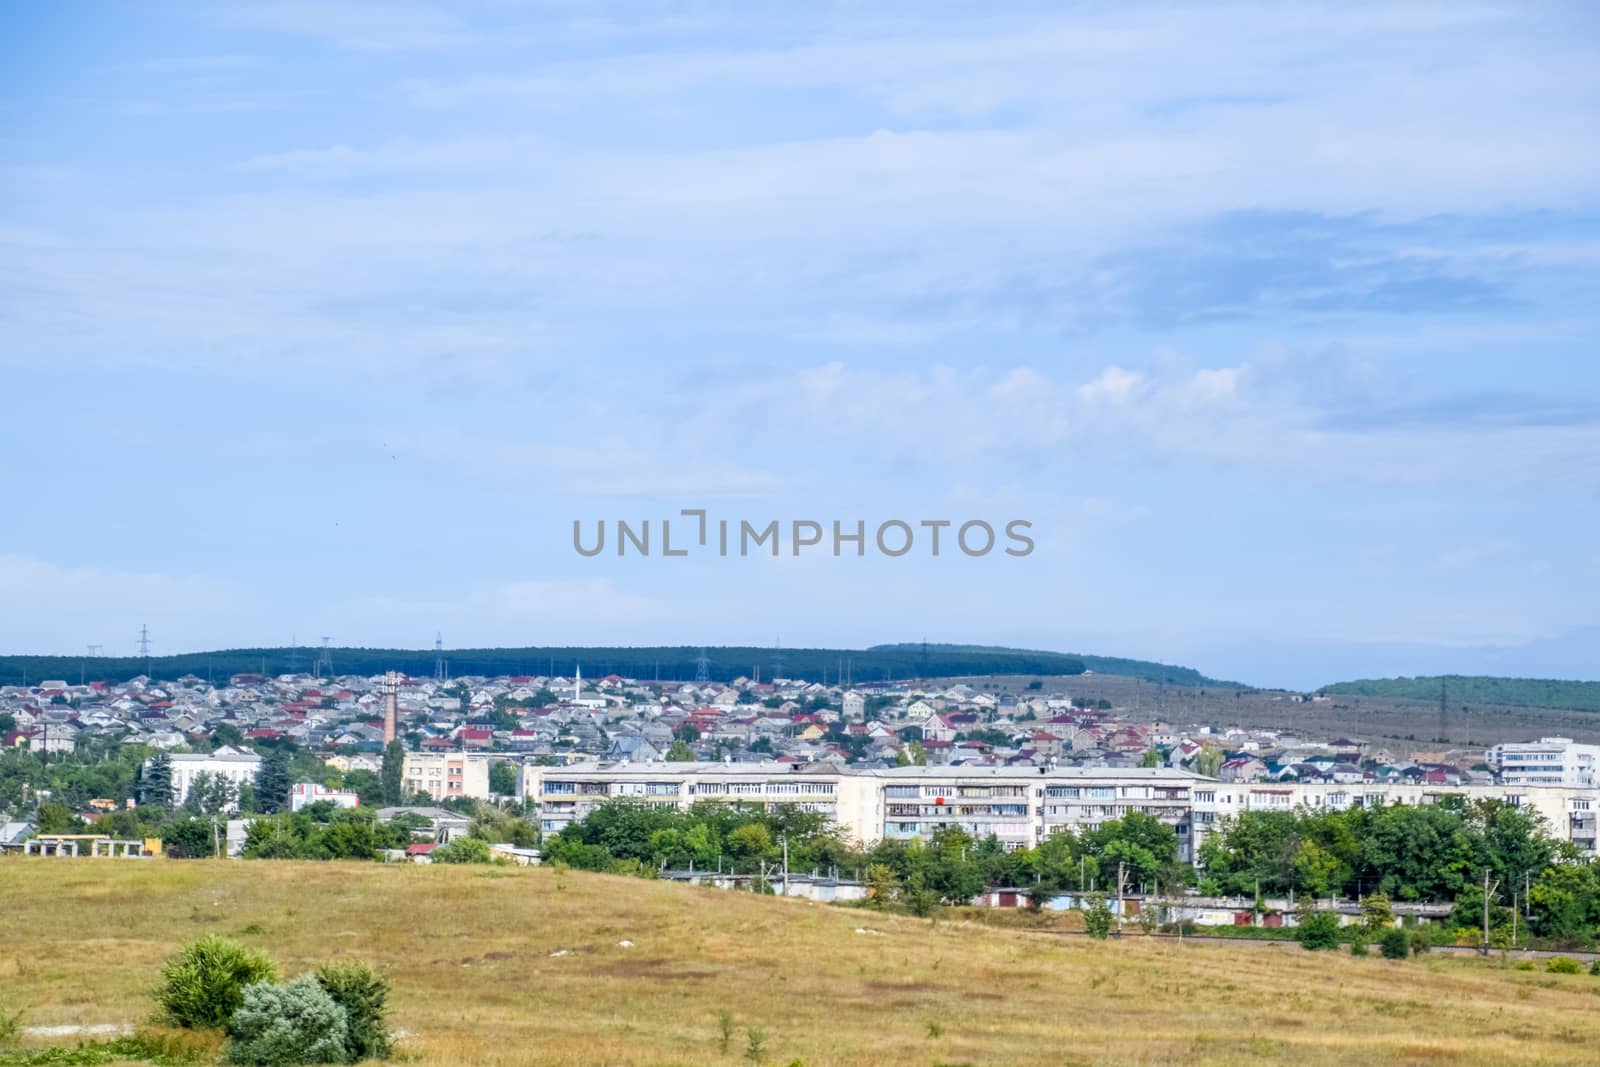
(862, 666)
(1479, 689)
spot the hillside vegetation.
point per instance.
(511, 966)
(1479, 689)
(887, 663)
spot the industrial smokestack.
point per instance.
(391, 686)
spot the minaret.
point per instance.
(577, 683)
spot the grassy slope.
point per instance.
(469, 951)
(1480, 689)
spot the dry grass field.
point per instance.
(472, 953)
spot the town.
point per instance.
(1012, 762)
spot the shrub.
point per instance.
(1594, 969)
(1319, 931)
(297, 1022)
(462, 850)
(1525, 965)
(1358, 947)
(1097, 920)
(1395, 944)
(363, 993)
(1563, 965)
(203, 985)
(1421, 942)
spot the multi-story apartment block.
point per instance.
(445, 775)
(237, 765)
(1547, 761)
(1020, 806)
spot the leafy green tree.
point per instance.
(226, 733)
(1208, 761)
(680, 752)
(503, 779)
(1097, 918)
(1376, 913)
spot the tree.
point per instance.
(680, 752)
(1319, 931)
(272, 782)
(912, 755)
(1376, 913)
(1395, 944)
(1151, 758)
(503, 779)
(1208, 761)
(1097, 918)
(155, 786)
(226, 733)
(394, 762)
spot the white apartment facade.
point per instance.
(1020, 806)
(1547, 761)
(239, 766)
(445, 775)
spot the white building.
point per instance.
(240, 766)
(445, 775)
(1019, 805)
(1547, 761)
(305, 793)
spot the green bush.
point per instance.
(203, 985)
(1563, 965)
(1319, 931)
(278, 1025)
(1097, 920)
(462, 850)
(10, 1027)
(1395, 944)
(363, 993)
(1594, 969)
(1421, 941)
(1525, 965)
(1358, 947)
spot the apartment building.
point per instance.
(565, 794)
(445, 775)
(1547, 761)
(239, 766)
(1019, 805)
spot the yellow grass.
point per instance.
(470, 953)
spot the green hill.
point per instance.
(1131, 668)
(1479, 689)
(864, 666)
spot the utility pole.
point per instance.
(1121, 875)
(1487, 889)
(786, 865)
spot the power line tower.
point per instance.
(144, 647)
(438, 657)
(325, 659)
(1444, 711)
(777, 659)
(294, 654)
(702, 668)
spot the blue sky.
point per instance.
(1278, 323)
